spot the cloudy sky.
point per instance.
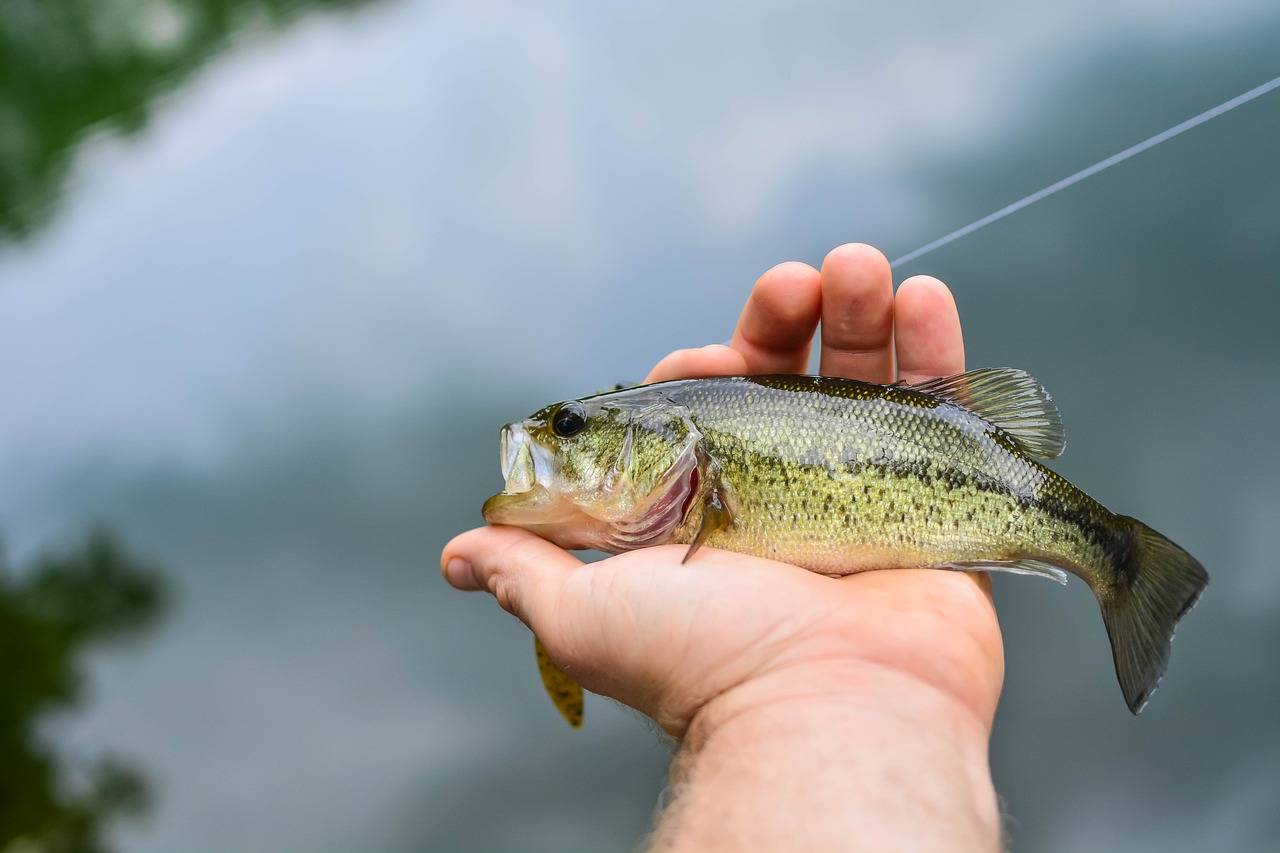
(270, 340)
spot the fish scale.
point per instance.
(875, 477)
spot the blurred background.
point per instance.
(273, 272)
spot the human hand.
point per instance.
(907, 665)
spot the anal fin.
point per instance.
(565, 693)
(1013, 567)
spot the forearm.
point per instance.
(881, 762)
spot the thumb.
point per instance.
(536, 581)
(524, 573)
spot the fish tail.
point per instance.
(1158, 585)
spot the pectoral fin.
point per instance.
(565, 693)
(716, 515)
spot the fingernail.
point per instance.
(458, 573)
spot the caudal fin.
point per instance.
(1140, 615)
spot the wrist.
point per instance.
(833, 756)
(843, 687)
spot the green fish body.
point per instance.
(840, 476)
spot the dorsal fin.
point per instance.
(1009, 398)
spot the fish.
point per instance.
(839, 476)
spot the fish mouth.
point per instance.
(548, 515)
(522, 508)
(515, 455)
(526, 498)
(530, 499)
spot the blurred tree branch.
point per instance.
(70, 68)
(49, 617)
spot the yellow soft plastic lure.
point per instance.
(565, 693)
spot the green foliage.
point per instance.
(49, 617)
(70, 68)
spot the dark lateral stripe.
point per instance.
(1088, 518)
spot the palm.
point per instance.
(676, 635)
(665, 637)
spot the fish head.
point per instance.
(611, 472)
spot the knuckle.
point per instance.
(505, 593)
(517, 580)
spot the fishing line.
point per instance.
(1131, 151)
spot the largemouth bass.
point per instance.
(840, 476)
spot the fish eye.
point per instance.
(569, 420)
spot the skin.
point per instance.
(811, 713)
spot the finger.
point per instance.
(525, 573)
(930, 344)
(927, 330)
(713, 360)
(857, 314)
(776, 328)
